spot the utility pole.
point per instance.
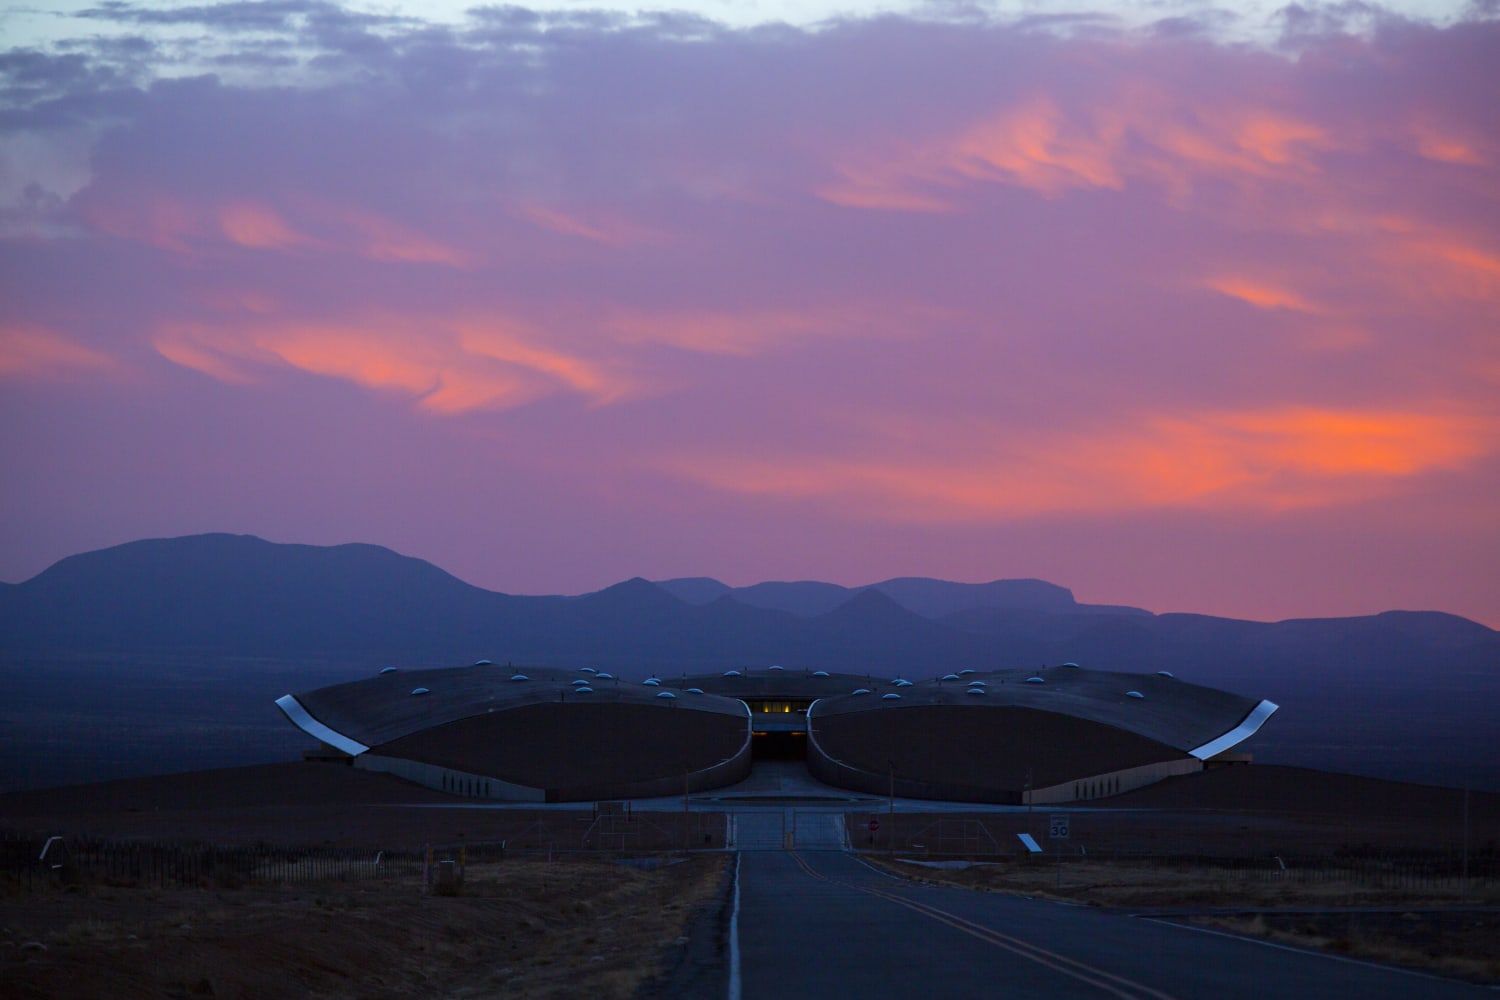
(1466, 839)
(1030, 827)
(891, 821)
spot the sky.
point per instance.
(1185, 307)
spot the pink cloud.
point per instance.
(28, 352)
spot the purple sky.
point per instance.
(1175, 320)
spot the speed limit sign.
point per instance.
(1057, 826)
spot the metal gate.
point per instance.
(787, 830)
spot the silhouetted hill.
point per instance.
(239, 592)
(807, 598)
(695, 589)
(1401, 694)
(921, 595)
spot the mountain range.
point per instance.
(1400, 694)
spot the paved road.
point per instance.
(821, 924)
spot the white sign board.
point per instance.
(1057, 826)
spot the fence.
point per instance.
(1439, 872)
(1409, 872)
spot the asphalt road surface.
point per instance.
(821, 924)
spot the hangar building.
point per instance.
(1057, 734)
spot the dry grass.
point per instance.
(1459, 945)
(1425, 927)
(1146, 885)
(521, 928)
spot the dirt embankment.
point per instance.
(518, 928)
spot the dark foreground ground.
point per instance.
(526, 928)
(331, 805)
(1374, 872)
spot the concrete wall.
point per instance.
(446, 779)
(1097, 786)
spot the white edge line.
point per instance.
(877, 870)
(734, 935)
(1312, 952)
(312, 727)
(1246, 729)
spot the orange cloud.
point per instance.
(1263, 460)
(260, 228)
(608, 229)
(362, 356)
(31, 351)
(196, 348)
(1429, 264)
(869, 192)
(1261, 295)
(516, 344)
(1354, 443)
(1139, 132)
(382, 239)
(448, 366)
(1035, 147)
(1445, 148)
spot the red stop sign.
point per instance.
(874, 825)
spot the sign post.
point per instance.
(1058, 828)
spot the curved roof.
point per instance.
(1196, 720)
(376, 710)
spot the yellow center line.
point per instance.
(1119, 986)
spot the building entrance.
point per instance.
(779, 728)
(778, 745)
